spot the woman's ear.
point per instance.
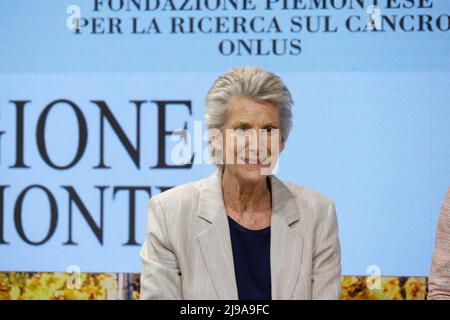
(282, 144)
(216, 145)
(216, 139)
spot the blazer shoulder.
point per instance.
(314, 206)
(304, 193)
(181, 196)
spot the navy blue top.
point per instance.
(251, 255)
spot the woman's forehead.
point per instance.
(247, 110)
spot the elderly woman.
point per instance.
(242, 233)
(439, 279)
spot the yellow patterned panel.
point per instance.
(57, 286)
(100, 286)
(389, 288)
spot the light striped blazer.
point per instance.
(439, 279)
(187, 253)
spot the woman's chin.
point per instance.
(253, 173)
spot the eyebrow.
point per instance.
(246, 124)
(270, 124)
(241, 123)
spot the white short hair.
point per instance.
(249, 82)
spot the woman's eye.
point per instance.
(240, 130)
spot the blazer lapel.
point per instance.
(286, 245)
(215, 241)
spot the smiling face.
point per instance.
(252, 139)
